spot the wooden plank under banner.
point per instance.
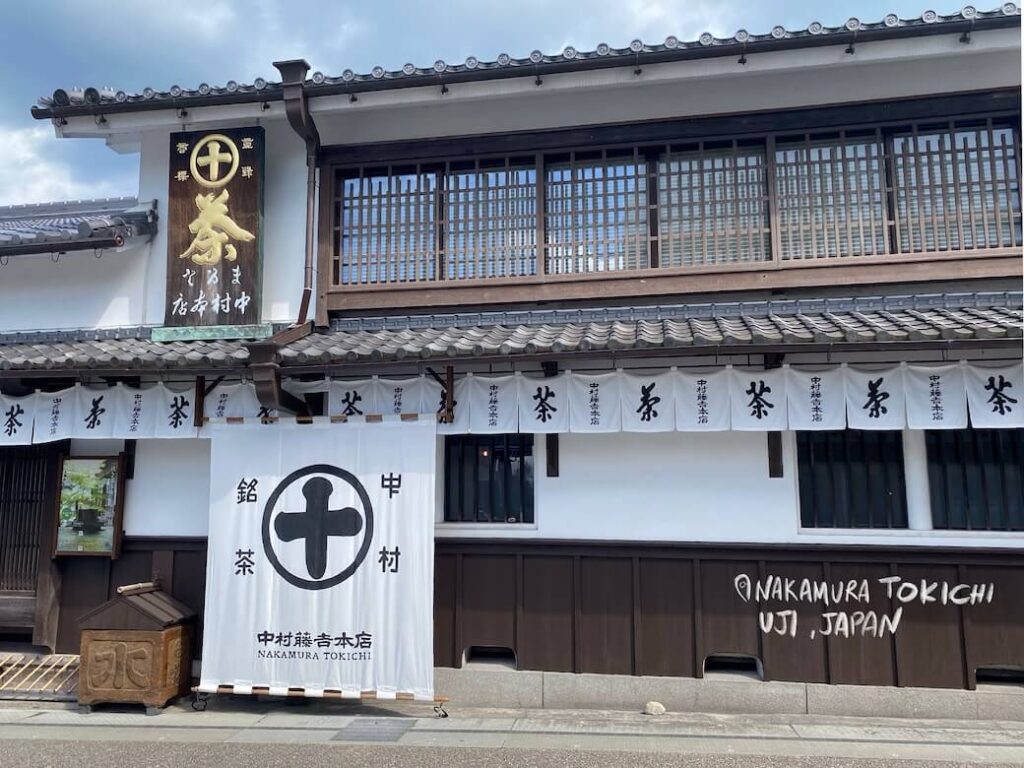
(200, 698)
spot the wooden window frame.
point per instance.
(962, 486)
(844, 488)
(651, 140)
(453, 493)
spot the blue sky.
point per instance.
(129, 44)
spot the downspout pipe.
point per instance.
(263, 359)
(293, 86)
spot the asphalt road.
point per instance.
(33, 753)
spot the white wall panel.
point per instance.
(170, 493)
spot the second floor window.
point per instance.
(788, 197)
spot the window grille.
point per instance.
(491, 222)
(976, 479)
(596, 214)
(386, 229)
(830, 195)
(488, 478)
(851, 479)
(856, 192)
(957, 188)
(454, 222)
(712, 206)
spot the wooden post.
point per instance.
(449, 394)
(551, 439)
(197, 416)
(775, 468)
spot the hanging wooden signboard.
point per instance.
(214, 230)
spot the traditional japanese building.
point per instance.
(723, 335)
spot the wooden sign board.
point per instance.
(214, 228)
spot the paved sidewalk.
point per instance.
(237, 720)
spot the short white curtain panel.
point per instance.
(703, 401)
(874, 398)
(758, 399)
(16, 417)
(995, 395)
(543, 404)
(647, 404)
(937, 396)
(594, 402)
(816, 398)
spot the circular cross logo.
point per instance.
(327, 535)
(209, 155)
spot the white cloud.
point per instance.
(29, 173)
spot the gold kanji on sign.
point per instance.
(213, 229)
(209, 154)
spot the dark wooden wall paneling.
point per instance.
(651, 609)
(87, 582)
(663, 609)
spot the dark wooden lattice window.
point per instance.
(387, 226)
(596, 212)
(957, 188)
(488, 478)
(713, 205)
(851, 479)
(830, 194)
(976, 479)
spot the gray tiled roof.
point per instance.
(132, 349)
(73, 225)
(498, 340)
(125, 349)
(638, 52)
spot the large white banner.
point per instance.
(320, 566)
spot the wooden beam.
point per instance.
(775, 462)
(551, 447)
(685, 129)
(266, 376)
(324, 243)
(449, 395)
(200, 398)
(892, 269)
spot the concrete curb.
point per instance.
(560, 690)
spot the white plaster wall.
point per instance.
(78, 290)
(786, 80)
(170, 492)
(683, 487)
(670, 486)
